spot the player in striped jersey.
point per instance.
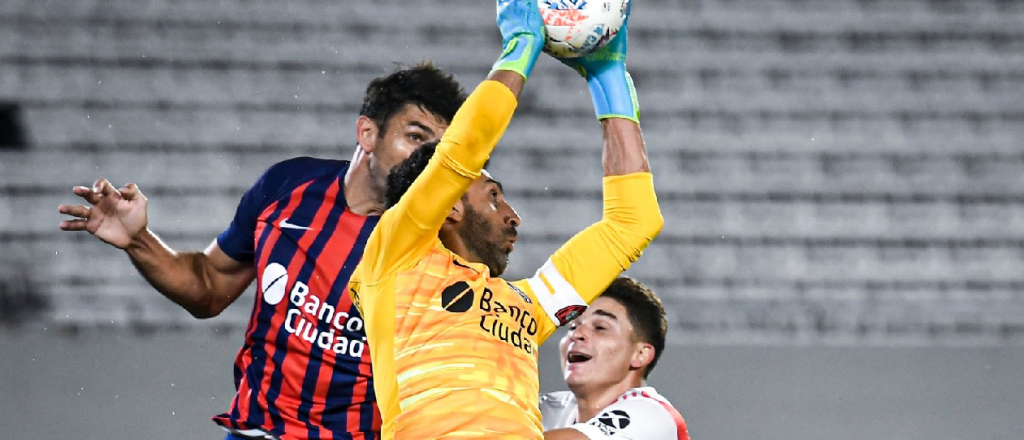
(454, 347)
(303, 370)
(606, 357)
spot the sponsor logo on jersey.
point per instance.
(610, 422)
(457, 298)
(567, 314)
(311, 318)
(615, 418)
(509, 323)
(286, 225)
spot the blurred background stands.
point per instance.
(847, 171)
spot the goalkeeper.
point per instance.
(454, 347)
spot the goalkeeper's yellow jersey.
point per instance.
(454, 350)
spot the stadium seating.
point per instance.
(829, 170)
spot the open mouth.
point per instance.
(574, 357)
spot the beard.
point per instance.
(485, 240)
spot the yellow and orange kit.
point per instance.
(454, 350)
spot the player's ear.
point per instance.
(367, 133)
(642, 356)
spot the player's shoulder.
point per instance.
(643, 397)
(284, 176)
(641, 411)
(309, 167)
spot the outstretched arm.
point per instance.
(203, 283)
(624, 150)
(512, 80)
(582, 268)
(406, 230)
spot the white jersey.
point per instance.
(639, 414)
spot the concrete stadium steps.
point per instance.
(69, 81)
(792, 260)
(192, 212)
(806, 15)
(124, 303)
(783, 174)
(694, 133)
(915, 7)
(710, 176)
(220, 172)
(751, 219)
(735, 195)
(42, 84)
(350, 32)
(89, 44)
(377, 15)
(194, 125)
(325, 129)
(829, 170)
(802, 92)
(77, 257)
(942, 224)
(705, 130)
(895, 317)
(84, 275)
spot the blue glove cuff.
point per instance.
(613, 94)
(520, 54)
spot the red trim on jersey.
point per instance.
(331, 265)
(292, 366)
(681, 432)
(293, 203)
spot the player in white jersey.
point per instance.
(606, 358)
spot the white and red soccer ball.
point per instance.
(577, 27)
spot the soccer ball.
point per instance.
(577, 27)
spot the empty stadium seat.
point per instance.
(845, 170)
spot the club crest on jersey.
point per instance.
(567, 314)
(457, 298)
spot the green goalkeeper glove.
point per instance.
(522, 35)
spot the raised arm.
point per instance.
(580, 270)
(624, 150)
(203, 283)
(406, 230)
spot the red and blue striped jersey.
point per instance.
(304, 369)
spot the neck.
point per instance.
(451, 240)
(362, 194)
(590, 402)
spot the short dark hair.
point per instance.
(645, 311)
(405, 173)
(402, 175)
(423, 85)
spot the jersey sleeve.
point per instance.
(557, 409)
(238, 240)
(631, 419)
(407, 230)
(585, 265)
